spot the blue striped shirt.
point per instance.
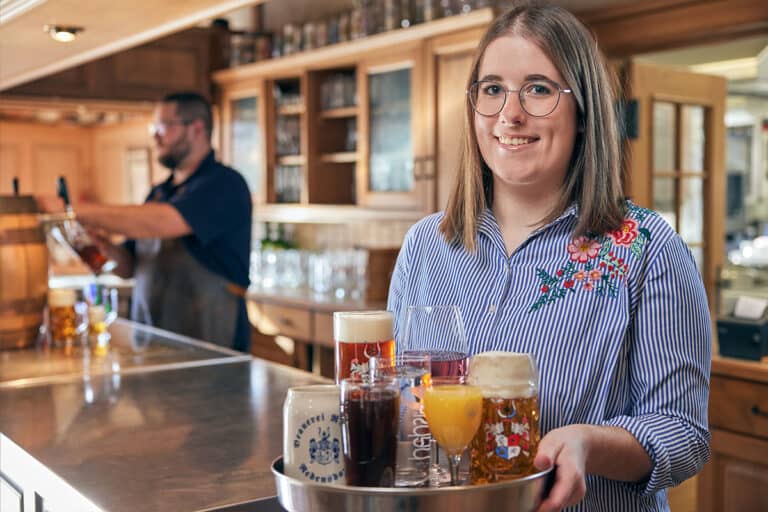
(619, 326)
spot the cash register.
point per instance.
(744, 333)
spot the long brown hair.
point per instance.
(593, 181)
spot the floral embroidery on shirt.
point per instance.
(595, 264)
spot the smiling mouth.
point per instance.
(516, 141)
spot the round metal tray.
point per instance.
(522, 495)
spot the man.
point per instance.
(189, 244)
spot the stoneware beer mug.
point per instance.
(505, 444)
(312, 435)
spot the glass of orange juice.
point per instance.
(453, 410)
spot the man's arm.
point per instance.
(149, 220)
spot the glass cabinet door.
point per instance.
(390, 159)
(245, 144)
(389, 137)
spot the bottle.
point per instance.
(79, 239)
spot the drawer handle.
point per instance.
(286, 322)
(757, 412)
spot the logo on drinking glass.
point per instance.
(325, 450)
(508, 443)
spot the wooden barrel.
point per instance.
(23, 272)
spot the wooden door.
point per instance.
(450, 62)
(676, 158)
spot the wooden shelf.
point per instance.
(330, 214)
(290, 110)
(339, 113)
(291, 160)
(350, 51)
(339, 158)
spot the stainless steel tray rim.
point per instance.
(407, 491)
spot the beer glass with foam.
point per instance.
(360, 335)
(64, 321)
(505, 445)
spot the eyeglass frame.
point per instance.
(560, 92)
(154, 127)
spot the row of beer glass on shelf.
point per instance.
(397, 414)
(337, 272)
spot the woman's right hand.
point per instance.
(565, 448)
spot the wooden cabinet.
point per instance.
(371, 153)
(296, 330)
(736, 478)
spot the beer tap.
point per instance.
(63, 193)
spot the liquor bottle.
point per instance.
(79, 239)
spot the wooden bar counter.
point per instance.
(174, 425)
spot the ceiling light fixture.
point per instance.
(62, 33)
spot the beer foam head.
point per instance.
(362, 326)
(504, 374)
(60, 297)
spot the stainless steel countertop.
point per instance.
(180, 433)
(134, 347)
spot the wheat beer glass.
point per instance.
(505, 445)
(62, 316)
(360, 335)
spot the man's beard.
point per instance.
(177, 154)
(169, 161)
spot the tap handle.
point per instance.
(16, 185)
(63, 192)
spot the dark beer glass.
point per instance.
(369, 427)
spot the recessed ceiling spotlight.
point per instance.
(61, 33)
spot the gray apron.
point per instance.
(175, 292)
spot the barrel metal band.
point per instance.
(21, 236)
(22, 306)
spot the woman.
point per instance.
(543, 255)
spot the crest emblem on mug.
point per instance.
(325, 450)
(312, 434)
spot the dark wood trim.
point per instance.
(181, 61)
(655, 25)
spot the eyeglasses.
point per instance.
(538, 98)
(161, 127)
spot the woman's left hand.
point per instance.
(567, 449)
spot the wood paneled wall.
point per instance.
(93, 159)
(38, 154)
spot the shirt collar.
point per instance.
(488, 225)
